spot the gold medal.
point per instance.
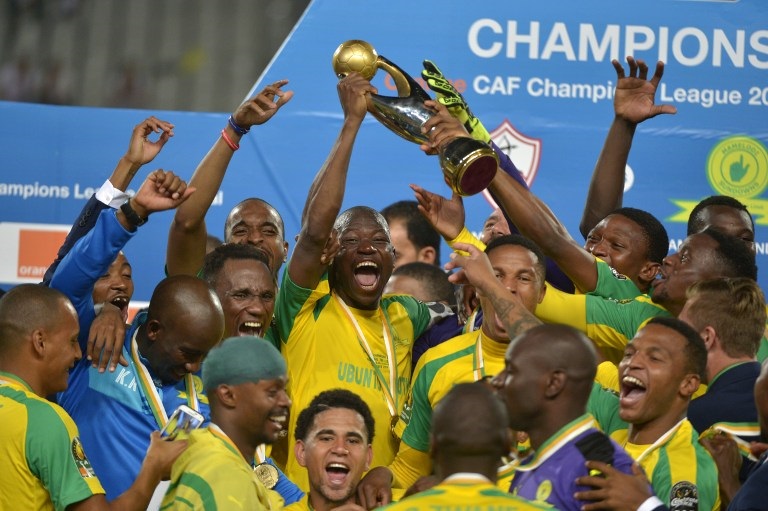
(267, 474)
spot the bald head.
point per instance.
(184, 295)
(233, 215)
(456, 430)
(547, 378)
(347, 217)
(185, 320)
(560, 347)
(29, 307)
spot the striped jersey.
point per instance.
(323, 351)
(682, 472)
(42, 461)
(211, 474)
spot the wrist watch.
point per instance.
(131, 215)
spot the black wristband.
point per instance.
(132, 217)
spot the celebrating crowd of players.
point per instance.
(604, 376)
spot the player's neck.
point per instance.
(651, 431)
(28, 376)
(318, 502)
(482, 465)
(549, 427)
(720, 362)
(243, 440)
(370, 304)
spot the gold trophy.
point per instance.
(468, 165)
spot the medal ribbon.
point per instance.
(579, 427)
(391, 397)
(479, 363)
(734, 432)
(192, 400)
(662, 439)
(218, 433)
(469, 326)
(151, 392)
(261, 454)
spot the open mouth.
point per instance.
(367, 274)
(337, 473)
(279, 420)
(632, 390)
(250, 328)
(121, 302)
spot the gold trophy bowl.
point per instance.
(468, 165)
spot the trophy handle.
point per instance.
(401, 77)
(405, 113)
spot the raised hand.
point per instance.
(353, 90)
(475, 265)
(142, 150)
(162, 190)
(446, 216)
(448, 95)
(634, 99)
(261, 107)
(441, 128)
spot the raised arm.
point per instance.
(633, 103)
(93, 253)
(536, 221)
(141, 150)
(187, 234)
(477, 270)
(450, 97)
(531, 216)
(327, 190)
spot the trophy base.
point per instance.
(468, 165)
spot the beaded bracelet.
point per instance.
(238, 129)
(232, 145)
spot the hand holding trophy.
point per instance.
(468, 165)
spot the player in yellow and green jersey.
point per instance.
(466, 454)
(43, 462)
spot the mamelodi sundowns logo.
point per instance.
(736, 166)
(37, 250)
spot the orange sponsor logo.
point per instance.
(37, 250)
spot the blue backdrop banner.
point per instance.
(538, 74)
